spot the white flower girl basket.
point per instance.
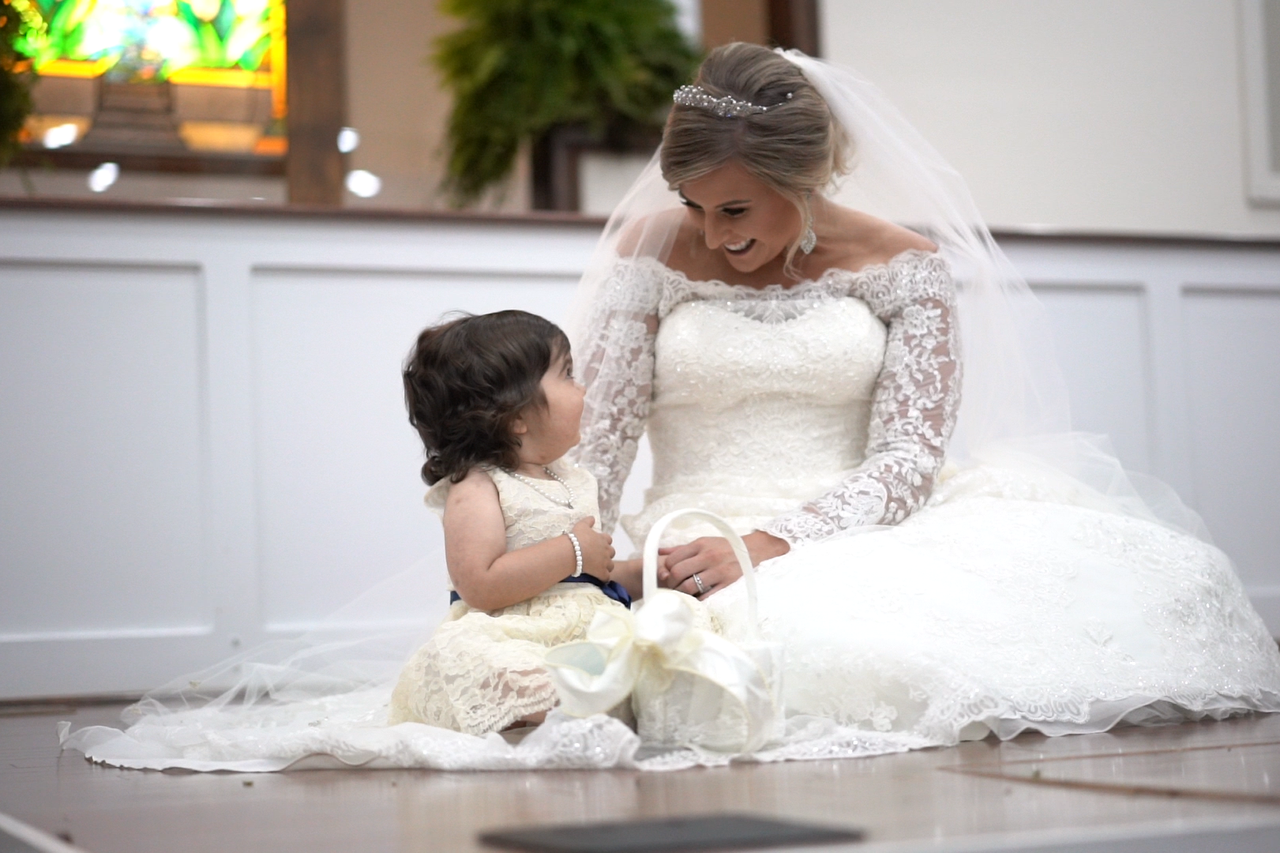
(689, 686)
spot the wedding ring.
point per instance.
(702, 590)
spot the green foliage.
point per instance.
(54, 29)
(15, 84)
(519, 67)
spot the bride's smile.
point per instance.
(740, 216)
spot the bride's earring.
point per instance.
(809, 240)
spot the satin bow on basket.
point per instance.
(689, 686)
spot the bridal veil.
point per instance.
(1014, 404)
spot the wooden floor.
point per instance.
(1201, 777)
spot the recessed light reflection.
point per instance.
(103, 177)
(364, 184)
(348, 140)
(60, 135)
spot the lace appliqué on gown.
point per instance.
(1013, 613)
(617, 369)
(912, 410)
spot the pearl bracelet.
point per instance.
(577, 554)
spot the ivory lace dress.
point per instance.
(482, 671)
(920, 602)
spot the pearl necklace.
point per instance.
(553, 475)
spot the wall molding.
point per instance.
(1259, 58)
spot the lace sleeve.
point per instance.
(617, 369)
(913, 410)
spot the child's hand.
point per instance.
(597, 549)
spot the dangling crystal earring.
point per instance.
(809, 240)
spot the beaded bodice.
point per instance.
(801, 410)
(774, 408)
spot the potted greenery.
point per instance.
(553, 73)
(15, 84)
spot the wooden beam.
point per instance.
(201, 163)
(317, 96)
(794, 24)
(725, 21)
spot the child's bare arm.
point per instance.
(486, 575)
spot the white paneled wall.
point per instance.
(202, 436)
(1173, 350)
(103, 429)
(1231, 363)
(1102, 342)
(203, 444)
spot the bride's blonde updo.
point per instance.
(792, 146)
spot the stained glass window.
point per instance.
(194, 47)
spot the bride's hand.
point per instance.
(712, 560)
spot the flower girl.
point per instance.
(494, 399)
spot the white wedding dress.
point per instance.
(921, 603)
(920, 600)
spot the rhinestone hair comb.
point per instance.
(726, 107)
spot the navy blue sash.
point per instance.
(612, 589)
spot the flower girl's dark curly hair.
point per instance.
(465, 381)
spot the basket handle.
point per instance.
(650, 567)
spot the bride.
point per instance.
(937, 555)
(873, 406)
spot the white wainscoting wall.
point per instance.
(203, 443)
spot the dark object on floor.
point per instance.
(707, 832)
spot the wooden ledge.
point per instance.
(297, 211)
(1006, 235)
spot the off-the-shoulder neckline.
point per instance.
(804, 284)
